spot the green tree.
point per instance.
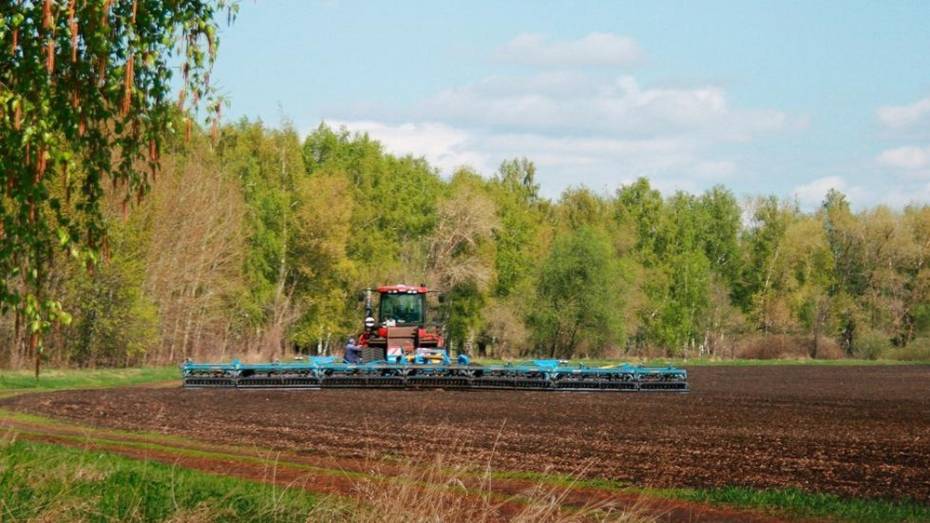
(846, 245)
(84, 100)
(679, 277)
(720, 226)
(324, 276)
(581, 206)
(518, 175)
(917, 289)
(115, 323)
(396, 201)
(579, 296)
(640, 206)
(267, 162)
(516, 240)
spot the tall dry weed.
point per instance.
(786, 346)
(445, 489)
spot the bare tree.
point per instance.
(195, 257)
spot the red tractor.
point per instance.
(400, 331)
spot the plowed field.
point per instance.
(853, 431)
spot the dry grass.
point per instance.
(42, 482)
(444, 490)
(785, 346)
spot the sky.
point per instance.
(780, 97)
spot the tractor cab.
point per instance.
(400, 331)
(401, 306)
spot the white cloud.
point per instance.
(580, 126)
(812, 194)
(602, 163)
(905, 116)
(908, 164)
(569, 103)
(443, 146)
(595, 49)
(898, 194)
(909, 157)
(901, 196)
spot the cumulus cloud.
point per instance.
(580, 125)
(812, 194)
(898, 194)
(443, 146)
(908, 157)
(570, 103)
(595, 49)
(602, 163)
(908, 164)
(901, 196)
(905, 116)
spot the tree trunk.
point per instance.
(34, 347)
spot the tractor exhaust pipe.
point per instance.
(369, 319)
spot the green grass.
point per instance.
(783, 502)
(54, 379)
(40, 481)
(799, 503)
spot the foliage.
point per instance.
(257, 245)
(266, 162)
(515, 190)
(579, 296)
(115, 322)
(84, 100)
(325, 274)
(871, 345)
(916, 350)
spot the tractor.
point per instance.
(399, 349)
(400, 332)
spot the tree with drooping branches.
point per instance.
(86, 102)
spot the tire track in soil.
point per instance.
(860, 432)
(291, 472)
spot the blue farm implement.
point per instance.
(400, 350)
(326, 372)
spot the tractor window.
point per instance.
(402, 308)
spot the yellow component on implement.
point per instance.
(437, 358)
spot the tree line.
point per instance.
(255, 242)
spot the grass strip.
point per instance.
(59, 379)
(217, 456)
(803, 504)
(43, 481)
(779, 502)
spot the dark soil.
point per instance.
(852, 431)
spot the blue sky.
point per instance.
(790, 98)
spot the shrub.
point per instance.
(870, 345)
(917, 350)
(785, 346)
(827, 349)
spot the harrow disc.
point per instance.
(324, 373)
